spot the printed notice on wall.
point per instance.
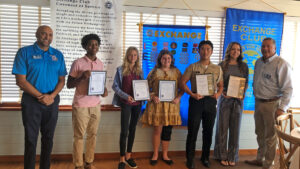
(72, 19)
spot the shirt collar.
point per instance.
(210, 63)
(270, 58)
(91, 61)
(37, 49)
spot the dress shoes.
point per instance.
(169, 162)
(205, 162)
(153, 162)
(190, 164)
(254, 162)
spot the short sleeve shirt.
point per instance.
(81, 97)
(198, 68)
(42, 68)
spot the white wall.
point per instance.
(12, 134)
(289, 6)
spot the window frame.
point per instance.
(204, 17)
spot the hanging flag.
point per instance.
(249, 28)
(181, 41)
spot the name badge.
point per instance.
(267, 76)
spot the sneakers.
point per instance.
(121, 165)
(131, 163)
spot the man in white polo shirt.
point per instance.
(272, 86)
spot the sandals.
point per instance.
(231, 163)
(224, 163)
(227, 163)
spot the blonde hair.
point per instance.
(137, 66)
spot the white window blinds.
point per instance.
(18, 25)
(290, 51)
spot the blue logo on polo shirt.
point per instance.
(54, 58)
(37, 56)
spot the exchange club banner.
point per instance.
(182, 41)
(249, 28)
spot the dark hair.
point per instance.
(227, 57)
(271, 39)
(205, 42)
(161, 53)
(86, 38)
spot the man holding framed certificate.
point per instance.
(201, 107)
(87, 77)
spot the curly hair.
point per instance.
(137, 66)
(227, 57)
(160, 55)
(86, 38)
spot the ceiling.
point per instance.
(290, 7)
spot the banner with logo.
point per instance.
(181, 41)
(249, 28)
(72, 19)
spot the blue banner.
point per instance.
(249, 28)
(182, 41)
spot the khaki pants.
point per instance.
(264, 128)
(85, 120)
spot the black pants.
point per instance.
(129, 118)
(37, 116)
(205, 110)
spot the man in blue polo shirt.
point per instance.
(40, 72)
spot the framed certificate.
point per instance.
(167, 90)
(140, 90)
(236, 87)
(97, 83)
(205, 84)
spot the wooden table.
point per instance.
(296, 132)
(295, 160)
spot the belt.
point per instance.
(268, 100)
